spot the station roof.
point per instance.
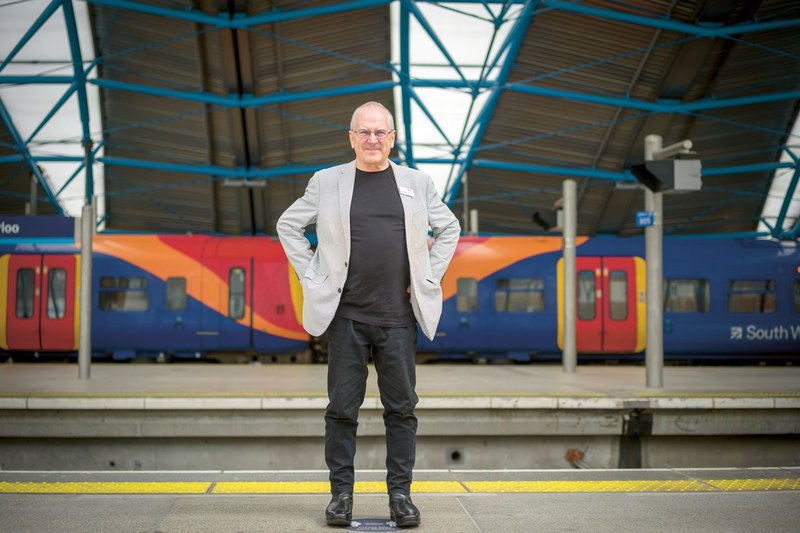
(215, 114)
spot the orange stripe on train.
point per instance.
(489, 255)
(153, 255)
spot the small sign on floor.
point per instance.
(372, 524)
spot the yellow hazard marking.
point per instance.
(272, 487)
(323, 487)
(733, 485)
(418, 487)
(589, 486)
(104, 487)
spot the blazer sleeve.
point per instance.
(446, 230)
(292, 224)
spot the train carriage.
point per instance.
(207, 296)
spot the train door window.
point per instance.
(236, 297)
(523, 295)
(176, 294)
(618, 295)
(25, 292)
(751, 296)
(797, 296)
(123, 294)
(56, 293)
(686, 296)
(587, 292)
(467, 299)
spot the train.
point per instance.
(236, 298)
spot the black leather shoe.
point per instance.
(340, 511)
(403, 511)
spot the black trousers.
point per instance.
(393, 351)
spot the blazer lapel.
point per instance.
(346, 183)
(406, 193)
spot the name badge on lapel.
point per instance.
(406, 191)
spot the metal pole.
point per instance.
(570, 355)
(473, 221)
(85, 339)
(465, 185)
(34, 192)
(654, 353)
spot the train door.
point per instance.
(40, 308)
(227, 291)
(611, 305)
(58, 320)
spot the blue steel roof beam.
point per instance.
(223, 172)
(482, 77)
(221, 21)
(432, 34)
(22, 149)
(277, 15)
(515, 37)
(744, 169)
(593, 173)
(38, 23)
(247, 101)
(787, 200)
(258, 101)
(190, 15)
(414, 96)
(36, 80)
(9, 159)
(61, 101)
(80, 167)
(405, 79)
(655, 107)
(672, 25)
(83, 102)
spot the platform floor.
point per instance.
(504, 501)
(438, 380)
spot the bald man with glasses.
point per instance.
(372, 279)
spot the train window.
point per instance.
(236, 297)
(523, 295)
(123, 294)
(56, 293)
(467, 299)
(176, 294)
(618, 295)
(25, 289)
(586, 295)
(751, 296)
(797, 296)
(686, 296)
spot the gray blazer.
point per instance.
(323, 273)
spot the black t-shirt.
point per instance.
(378, 275)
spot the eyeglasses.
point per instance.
(366, 134)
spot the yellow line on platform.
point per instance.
(654, 485)
(418, 487)
(104, 487)
(323, 487)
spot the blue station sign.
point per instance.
(36, 227)
(644, 219)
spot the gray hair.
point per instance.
(372, 104)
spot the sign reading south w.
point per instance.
(755, 333)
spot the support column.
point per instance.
(85, 339)
(654, 353)
(570, 355)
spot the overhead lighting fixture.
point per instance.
(244, 183)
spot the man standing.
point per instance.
(370, 281)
